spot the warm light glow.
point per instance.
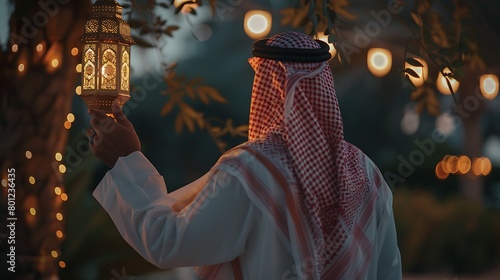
(257, 23)
(452, 164)
(57, 190)
(62, 264)
(444, 166)
(186, 7)
(20, 67)
(464, 164)
(59, 234)
(59, 216)
(476, 166)
(54, 254)
(324, 38)
(442, 85)
(39, 47)
(79, 68)
(15, 48)
(78, 90)
(70, 117)
(422, 72)
(64, 197)
(62, 168)
(440, 173)
(74, 51)
(485, 166)
(489, 86)
(67, 125)
(33, 211)
(28, 154)
(410, 122)
(4, 183)
(32, 180)
(58, 156)
(55, 63)
(379, 61)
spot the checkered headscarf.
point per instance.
(294, 105)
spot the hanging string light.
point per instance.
(257, 23)
(379, 61)
(422, 72)
(488, 83)
(442, 82)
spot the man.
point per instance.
(294, 202)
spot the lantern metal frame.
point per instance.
(106, 57)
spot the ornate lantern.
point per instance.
(106, 57)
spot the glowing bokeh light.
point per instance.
(488, 84)
(257, 23)
(442, 85)
(379, 61)
(324, 38)
(422, 72)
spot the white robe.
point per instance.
(215, 221)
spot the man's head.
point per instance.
(293, 82)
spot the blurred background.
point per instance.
(191, 86)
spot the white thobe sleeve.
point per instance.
(389, 262)
(211, 229)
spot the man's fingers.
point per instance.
(95, 124)
(119, 115)
(96, 114)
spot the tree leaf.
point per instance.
(413, 62)
(242, 130)
(136, 23)
(417, 94)
(408, 82)
(189, 122)
(139, 41)
(212, 93)
(168, 31)
(411, 72)
(146, 29)
(448, 83)
(190, 92)
(203, 97)
(167, 107)
(416, 19)
(216, 131)
(199, 120)
(213, 6)
(287, 16)
(178, 9)
(188, 110)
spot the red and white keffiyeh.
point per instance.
(294, 105)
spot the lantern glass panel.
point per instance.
(108, 80)
(89, 67)
(125, 70)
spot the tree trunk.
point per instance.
(38, 85)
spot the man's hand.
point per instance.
(112, 139)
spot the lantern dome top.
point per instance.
(106, 24)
